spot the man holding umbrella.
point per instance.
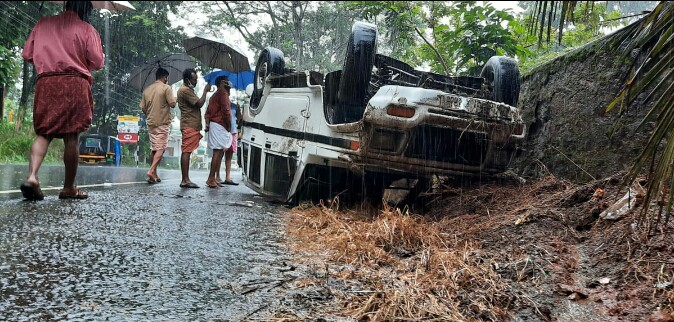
(190, 122)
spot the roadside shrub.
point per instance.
(15, 145)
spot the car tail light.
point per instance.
(400, 111)
(518, 129)
(355, 145)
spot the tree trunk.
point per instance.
(2, 103)
(298, 14)
(29, 76)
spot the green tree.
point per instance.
(311, 35)
(544, 44)
(153, 35)
(452, 38)
(16, 22)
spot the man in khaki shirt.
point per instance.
(156, 104)
(190, 122)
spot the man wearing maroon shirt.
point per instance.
(218, 119)
(63, 48)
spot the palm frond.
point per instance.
(655, 33)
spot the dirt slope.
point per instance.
(531, 252)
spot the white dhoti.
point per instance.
(218, 137)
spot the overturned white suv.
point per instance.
(355, 131)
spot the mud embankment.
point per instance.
(563, 104)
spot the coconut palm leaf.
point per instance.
(656, 72)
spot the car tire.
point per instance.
(356, 72)
(271, 61)
(503, 74)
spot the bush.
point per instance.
(15, 145)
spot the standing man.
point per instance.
(190, 122)
(236, 114)
(63, 48)
(218, 125)
(156, 104)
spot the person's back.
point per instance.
(64, 43)
(155, 104)
(63, 49)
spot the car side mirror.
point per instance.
(249, 90)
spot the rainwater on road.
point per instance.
(135, 252)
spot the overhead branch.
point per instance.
(442, 59)
(242, 29)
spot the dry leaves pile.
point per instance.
(487, 253)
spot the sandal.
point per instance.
(79, 194)
(212, 185)
(31, 191)
(230, 182)
(189, 185)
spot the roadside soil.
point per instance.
(500, 251)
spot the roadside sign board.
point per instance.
(127, 124)
(128, 138)
(127, 129)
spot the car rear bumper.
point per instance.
(421, 130)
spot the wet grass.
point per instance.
(15, 145)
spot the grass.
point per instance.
(15, 145)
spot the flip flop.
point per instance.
(212, 185)
(189, 185)
(79, 194)
(230, 182)
(31, 192)
(152, 179)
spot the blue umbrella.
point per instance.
(239, 80)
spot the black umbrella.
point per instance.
(217, 53)
(144, 75)
(110, 5)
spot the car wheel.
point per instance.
(503, 74)
(357, 71)
(271, 61)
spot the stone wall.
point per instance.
(563, 104)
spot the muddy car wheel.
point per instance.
(271, 61)
(504, 75)
(356, 72)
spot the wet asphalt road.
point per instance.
(135, 252)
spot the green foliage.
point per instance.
(15, 146)
(152, 35)
(455, 38)
(16, 22)
(588, 21)
(311, 35)
(9, 66)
